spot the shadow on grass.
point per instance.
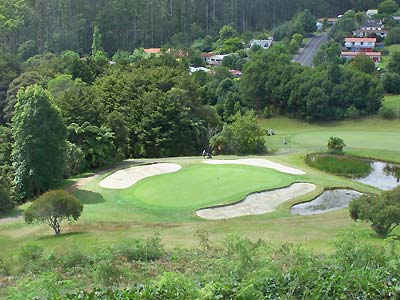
(88, 197)
(61, 236)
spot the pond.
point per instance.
(384, 176)
(328, 201)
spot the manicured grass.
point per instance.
(201, 185)
(370, 137)
(343, 165)
(167, 203)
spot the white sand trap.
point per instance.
(257, 203)
(258, 162)
(125, 178)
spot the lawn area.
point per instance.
(392, 102)
(167, 203)
(386, 58)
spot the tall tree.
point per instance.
(40, 142)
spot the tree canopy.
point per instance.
(52, 208)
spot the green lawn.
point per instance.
(386, 58)
(167, 203)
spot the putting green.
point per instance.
(201, 185)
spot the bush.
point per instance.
(141, 250)
(387, 113)
(391, 83)
(382, 211)
(335, 145)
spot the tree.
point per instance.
(6, 168)
(393, 36)
(382, 211)
(96, 44)
(335, 145)
(394, 63)
(5, 201)
(388, 7)
(363, 64)
(243, 136)
(40, 137)
(391, 83)
(52, 208)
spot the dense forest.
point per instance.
(126, 24)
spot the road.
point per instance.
(306, 57)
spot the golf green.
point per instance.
(200, 185)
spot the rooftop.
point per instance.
(360, 40)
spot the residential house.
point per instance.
(152, 50)
(199, 69)
(216, 60)
(375, 56)
(236, 73)
(265, 44)
(360, 44)
(372, 12)
(206, 56)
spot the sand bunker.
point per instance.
(125, 178)
(257, 203)
(258, 162)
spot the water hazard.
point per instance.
(384, 176)
(328, 201)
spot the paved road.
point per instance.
(305, 58)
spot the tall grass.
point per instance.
(342, 165)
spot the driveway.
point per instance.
(306, 56)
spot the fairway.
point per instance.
(202, 185)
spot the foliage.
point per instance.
(75, 160)
(302, 23)
(347, 166)
(335, 145)
(393, 36)
(5, 201)
(388, 7)
(6, 168)
(243, 136)
(394, 63)
(363, 64)
(52, 208)
(382, 211)
(387, 113)
(391, 82)
(39, 149)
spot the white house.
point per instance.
(265, 44)
(372, 12)
(216, 60)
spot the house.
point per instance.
(236, 73)
(319, 26)
(200, 69)
(152, 50)
(370, 33)
(396, 18)
(372, 25)
(375, 56)
(206, 56)
(265, 44)
(360, 44)
(216, 60)
(371, 12)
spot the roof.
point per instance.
(235, 72)
(372, 11)
(261, 43)
(360, 53)
(371, 31)
(327, 19)
(359, 40)
(209, 54)
(372, 23)
(152, 50)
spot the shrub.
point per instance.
(142, 250)
(335, 145)
(5, 201)
(387, 113)
(382, 211)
